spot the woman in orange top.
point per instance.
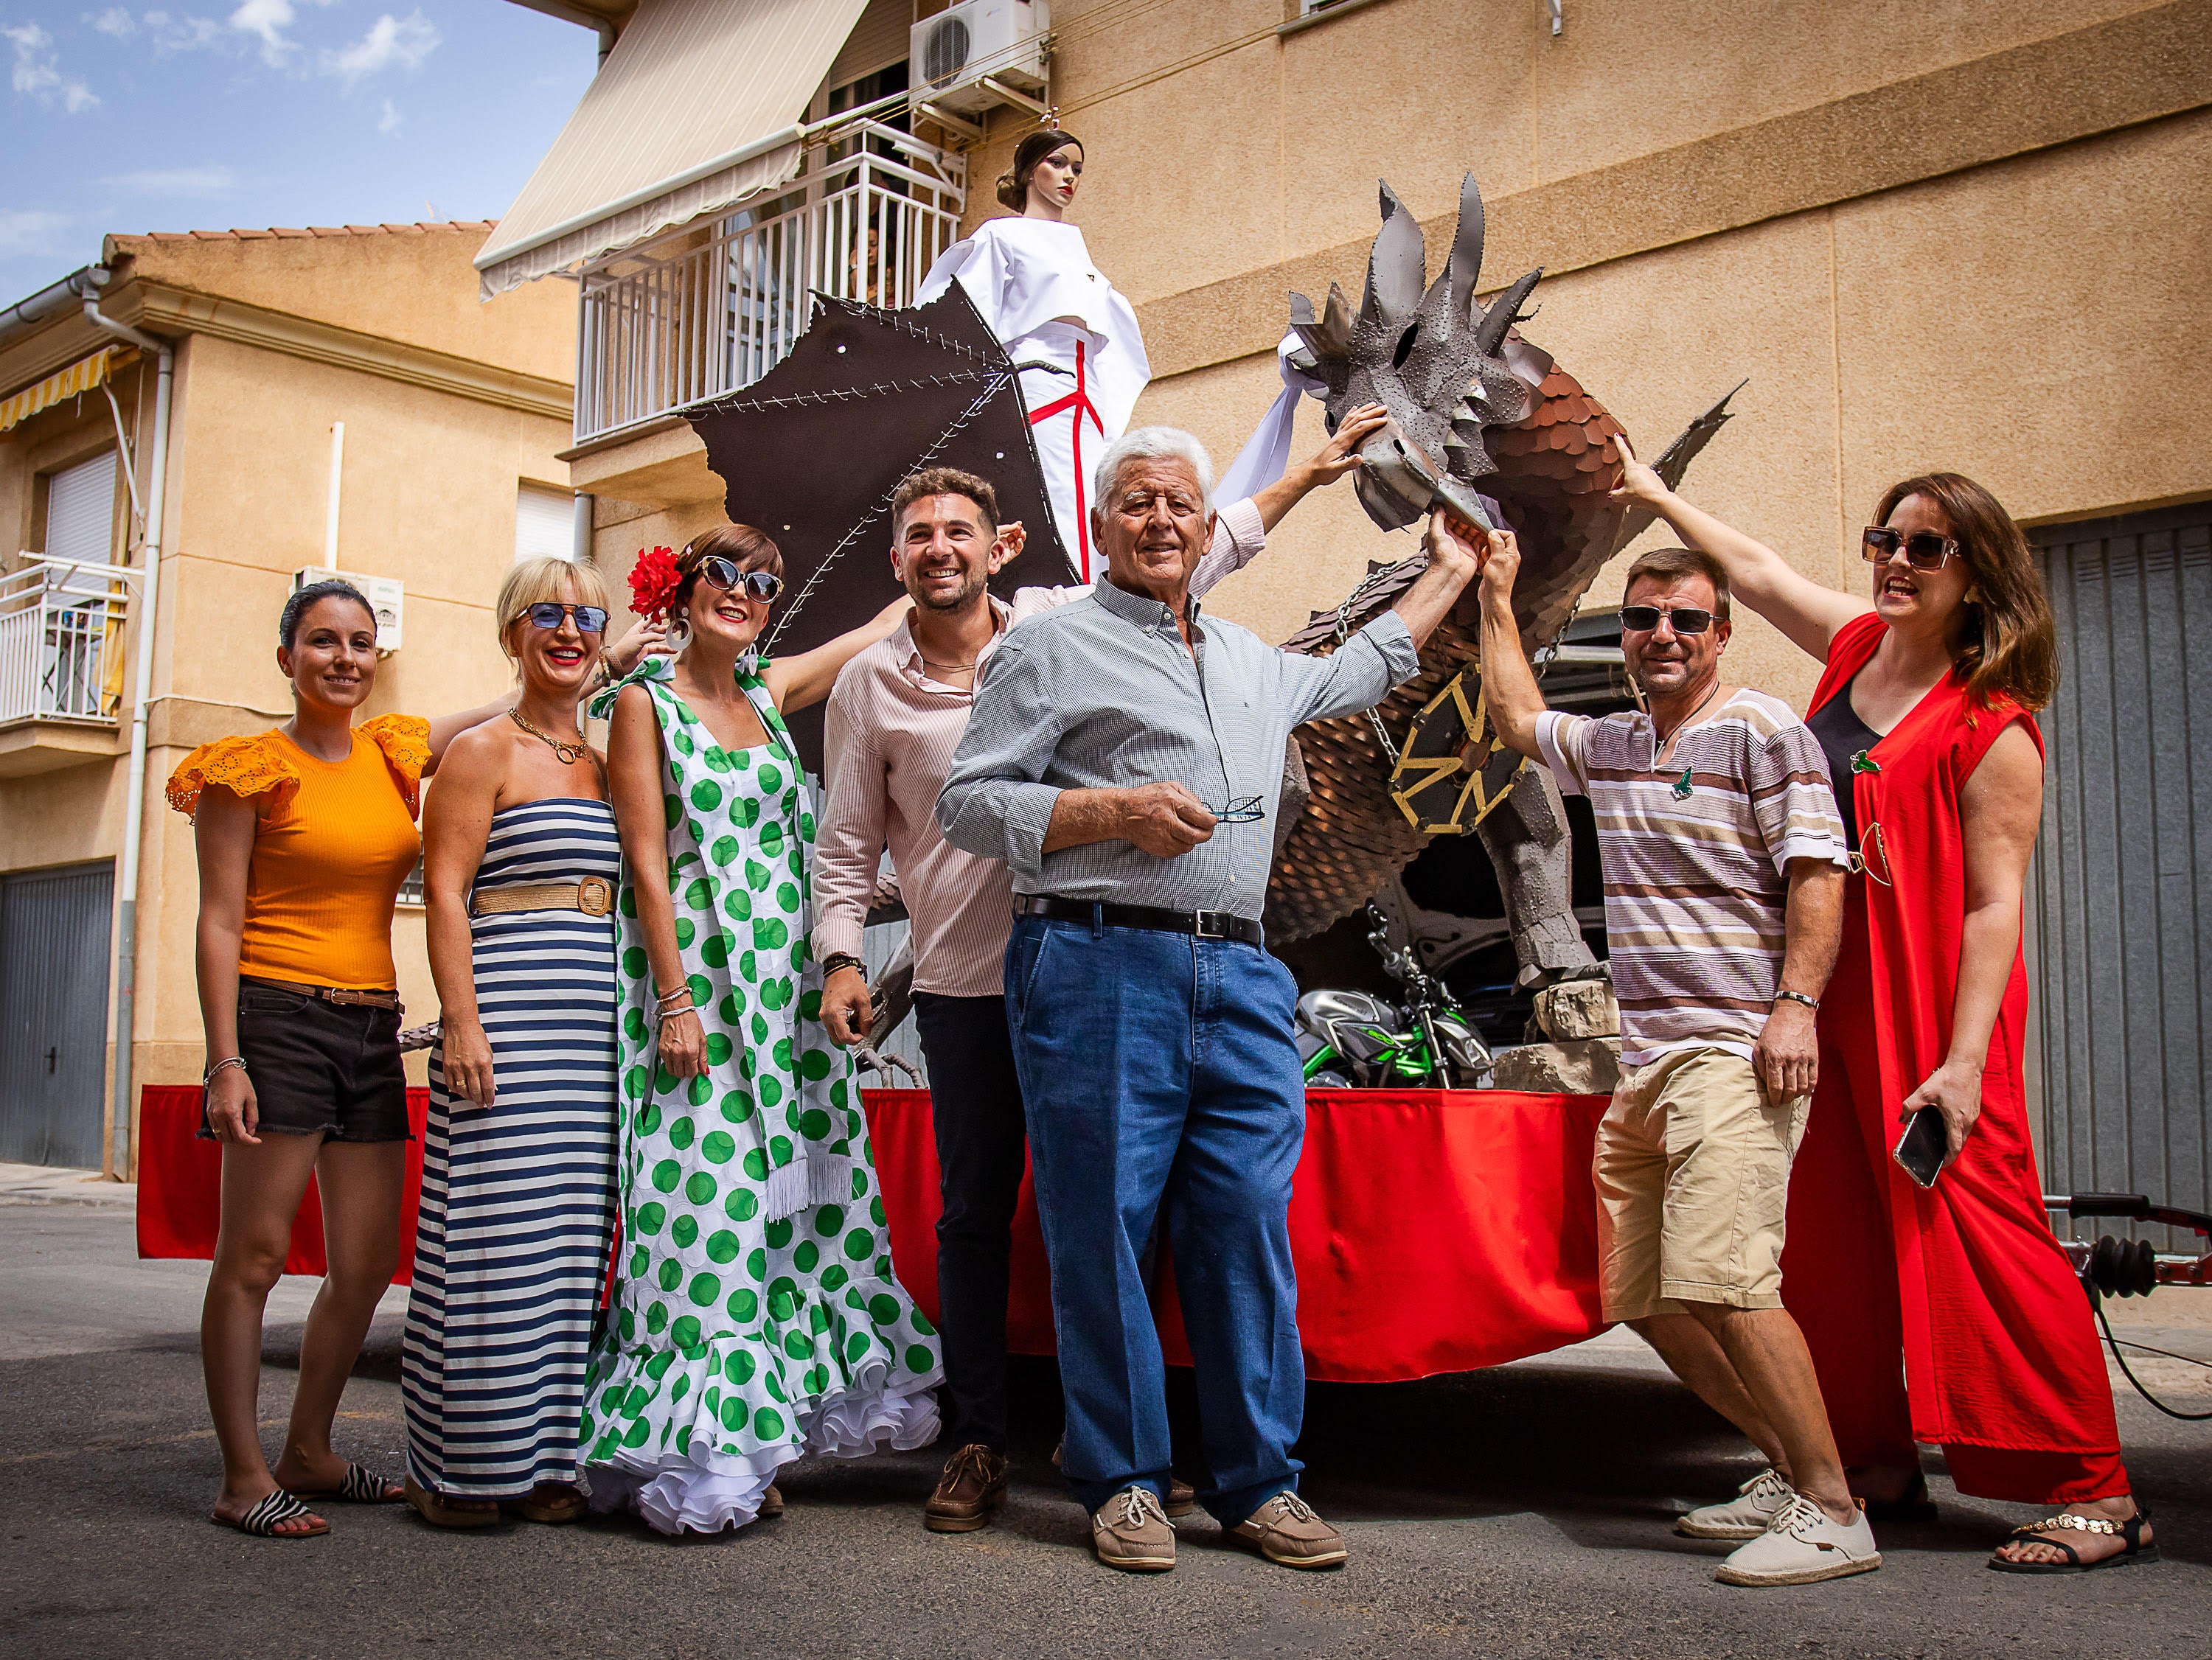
(304, 835)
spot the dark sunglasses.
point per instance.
(1924, 550)
(723, 573)
(1687, 619)
(550, 613)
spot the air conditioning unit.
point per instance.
(954, 56)
(386, 596)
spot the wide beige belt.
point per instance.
(594, 896)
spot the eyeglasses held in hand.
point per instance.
(1245, 809)
(550, 613)
(723, 573)
(1924, 550)
(1687, 619)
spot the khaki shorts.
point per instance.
(1693, 1175)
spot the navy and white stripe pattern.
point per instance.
(518, 1199)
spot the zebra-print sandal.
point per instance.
(270, 1514)
(361, 1487)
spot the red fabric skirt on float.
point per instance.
(1434, 1231)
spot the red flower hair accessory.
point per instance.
(652, 582)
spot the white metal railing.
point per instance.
(61, 631)
(703, 311)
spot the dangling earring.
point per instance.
(679, 633)
(1973, 596)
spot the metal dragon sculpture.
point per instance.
(1483, 421)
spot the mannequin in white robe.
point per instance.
(1070, 333)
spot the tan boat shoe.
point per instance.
(1182, 1499)
(1131, 1532)
(974, 1485)
(1284, 1529)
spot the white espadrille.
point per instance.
(1754, 1507)
(1802, 1546)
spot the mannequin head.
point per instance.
(1041, 184)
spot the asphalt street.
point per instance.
(1522, 1511)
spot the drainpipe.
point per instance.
(134, 810)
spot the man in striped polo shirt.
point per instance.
(1723, 858)
(895, 719)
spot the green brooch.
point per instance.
(1864, 762)
(1682, 785)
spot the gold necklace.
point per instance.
(570, 754)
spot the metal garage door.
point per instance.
(2120, 898)
(53, 1013)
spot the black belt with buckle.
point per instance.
(1206, 924)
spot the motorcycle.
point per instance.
(1354, 1041)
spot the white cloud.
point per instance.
(30, 231)
(176, 181)
(401, 41)
(180, 34)
(37, 74)
(389, 121)
(266, 22)
(168, 34)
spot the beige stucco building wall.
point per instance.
(1950, 235)
(449, 406)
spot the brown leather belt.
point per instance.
(1206, 924)
(327, 993)
(594, 896)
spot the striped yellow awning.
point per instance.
(82, 376)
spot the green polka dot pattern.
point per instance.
(730, 1330)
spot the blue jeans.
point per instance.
(1159, 1071)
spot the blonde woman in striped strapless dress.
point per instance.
(520, 862)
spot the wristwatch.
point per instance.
(1812, 1003)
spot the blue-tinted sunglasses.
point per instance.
(550, 613)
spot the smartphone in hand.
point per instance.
(1924, 1148)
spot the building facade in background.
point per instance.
(340, 399)
(1947, 235)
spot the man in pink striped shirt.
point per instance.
(894, 721)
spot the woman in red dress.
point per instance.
(1948, 1315)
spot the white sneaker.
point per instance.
(1801, 1547)
(1749, 1514)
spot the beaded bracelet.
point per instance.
(228, 1061)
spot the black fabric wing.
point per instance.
(812, 451)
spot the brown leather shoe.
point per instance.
(1284, 1529)
(1131, 1532)
(1182, 1499)
(973, 1486)
(771, 1504)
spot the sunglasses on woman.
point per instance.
(1924, 550)
(550, 613)
(723, 574)
(1687, 619)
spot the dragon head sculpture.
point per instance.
(1445, 366)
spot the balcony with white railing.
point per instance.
(61, 642)
(701, 311)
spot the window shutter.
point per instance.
(81, 510)
(544, 523)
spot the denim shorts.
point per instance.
(320, 1068)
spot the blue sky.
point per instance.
(182, 115)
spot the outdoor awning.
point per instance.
(697, 107)
(82, 376)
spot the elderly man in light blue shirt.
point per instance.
(1124, 757)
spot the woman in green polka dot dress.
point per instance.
(756, 1319)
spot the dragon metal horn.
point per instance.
(1504, 312)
